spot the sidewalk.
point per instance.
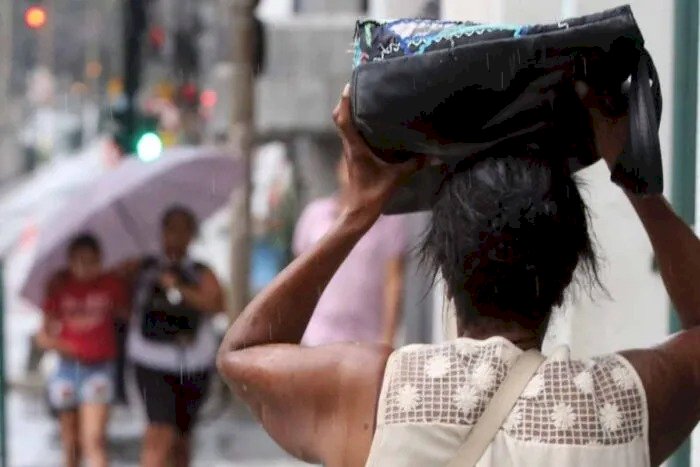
(230, 439)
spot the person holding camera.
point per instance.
(172, 343)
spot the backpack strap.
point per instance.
(149, 262)
(498, 409)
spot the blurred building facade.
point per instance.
(308, 60)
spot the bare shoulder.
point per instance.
(670, 374)
(318, 403)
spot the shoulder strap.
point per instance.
(148, 262)
(498, 409)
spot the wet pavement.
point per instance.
(226, 436)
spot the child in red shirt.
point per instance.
(80, 306)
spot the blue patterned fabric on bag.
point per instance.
(382, 40)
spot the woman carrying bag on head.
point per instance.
(507, 235)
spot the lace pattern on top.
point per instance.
(595, 402)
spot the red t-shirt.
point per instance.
(85, 311)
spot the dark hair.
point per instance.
(178, 210)
(85, 241)
(507, 235)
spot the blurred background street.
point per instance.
(223, 438)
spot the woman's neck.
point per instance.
(522, 336)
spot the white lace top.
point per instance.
(573, 413)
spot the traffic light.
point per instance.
(188, 95)
(35, 17)
(149, 147)
(142, 140)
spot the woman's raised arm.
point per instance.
(318, 403)
(669, 372)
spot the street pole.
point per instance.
(134, 26)
(241, 140)
(93, 21)
(46, 38)
(685, 91)
(6, 45)
(3, 380)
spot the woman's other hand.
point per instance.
(371, 180)
(610, 131)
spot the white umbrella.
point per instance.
(123, 208)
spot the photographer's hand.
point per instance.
(205, 296)
(168, 280)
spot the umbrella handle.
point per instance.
(129, 224)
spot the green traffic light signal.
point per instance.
(149, 147)
(140, 138)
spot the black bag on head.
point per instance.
(163, 321)
(461, 90)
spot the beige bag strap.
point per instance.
(502, 403)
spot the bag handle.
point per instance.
(498, 409)
(639, 168)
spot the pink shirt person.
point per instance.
(353, 306)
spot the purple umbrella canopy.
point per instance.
(123, 208)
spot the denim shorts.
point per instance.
(76, 383)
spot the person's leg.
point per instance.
(159, 399)
(63, 398)
(93, 433)
(95, 396)
(182, 453)
(190, 392)
(70, 437)
(158, 445)
(120, 374)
